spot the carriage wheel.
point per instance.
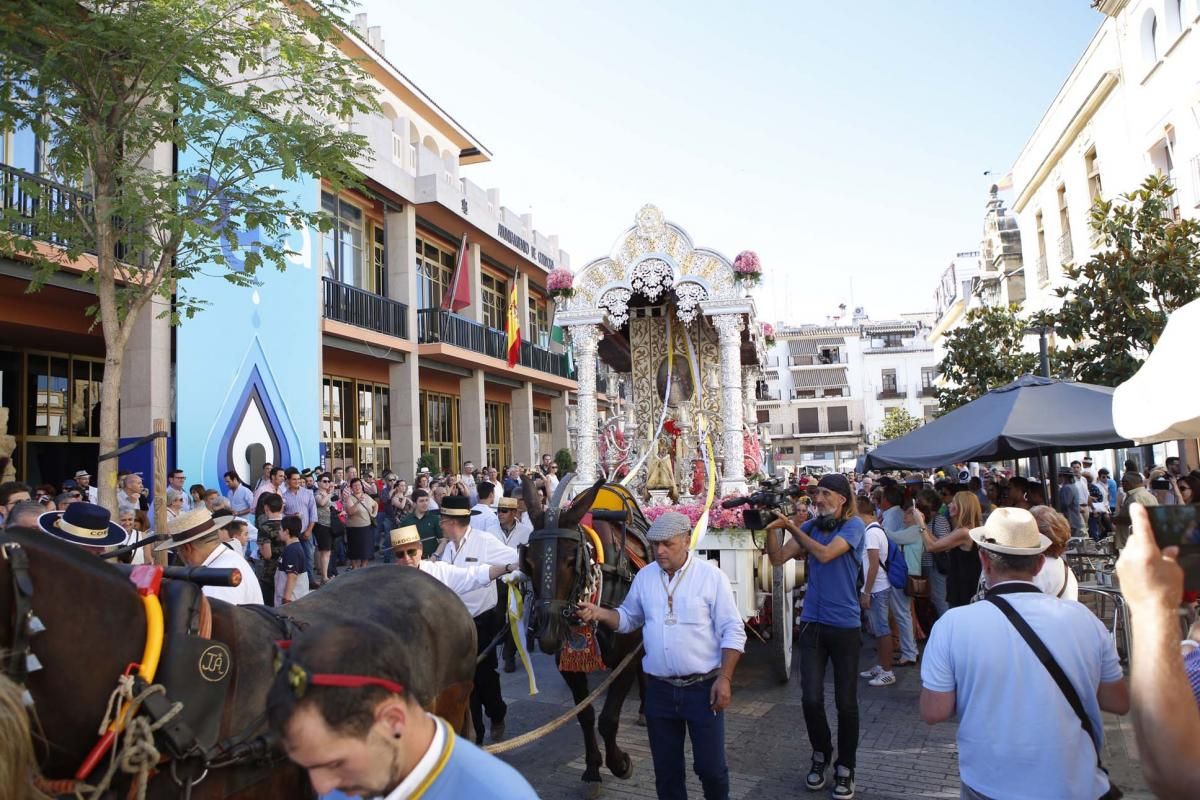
(782, 621)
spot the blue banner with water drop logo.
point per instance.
(247, 367)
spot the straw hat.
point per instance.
(506, 503)
(192, 525)
(1013, 531)
(406, 535)
(454, 505)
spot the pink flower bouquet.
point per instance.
(560, 282)
(746, 267)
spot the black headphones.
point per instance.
(828, 524)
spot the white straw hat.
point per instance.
(1013, 531)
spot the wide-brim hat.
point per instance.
(455, 505)
(83, 523)
(192, 525)
(1013, 531)
(406, 535)
(507, 504)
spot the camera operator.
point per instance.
(830, 622)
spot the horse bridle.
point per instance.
(550, 539)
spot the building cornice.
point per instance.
(1091, 104)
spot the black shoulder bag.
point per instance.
(1056, 672)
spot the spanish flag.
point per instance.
(513, 326)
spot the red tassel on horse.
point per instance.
(586, 658)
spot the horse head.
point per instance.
(555, 561)
(90, 625)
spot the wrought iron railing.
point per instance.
(891, 394)
(363, 309)
(444, 327)
(1066, 250)
(43, 208)
(1043, 270)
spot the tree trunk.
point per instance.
(110, 427)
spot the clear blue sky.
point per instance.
(844, 141)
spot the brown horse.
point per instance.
(95, 626)
(557, 539)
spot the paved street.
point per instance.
(899, 756)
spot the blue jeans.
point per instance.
(937, 590)
(901, 611)
(309, 546)
(671, 709)
(819, 645)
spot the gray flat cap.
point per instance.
(669, 525)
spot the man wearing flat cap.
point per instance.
(1028, 675)
(693, 636)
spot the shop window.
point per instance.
(439, 429)
(356, 424)
(498, 434)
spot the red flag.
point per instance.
(513, 327)
(458, 294)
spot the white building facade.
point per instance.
(827, 388)
(1129, 108)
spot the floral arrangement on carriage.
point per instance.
(746, 268)
(560, 283)
(718, 518)
(768, 334)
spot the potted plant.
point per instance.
(560, 283)
(768, 334)
(746, 268)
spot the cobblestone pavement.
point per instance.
(899, 756)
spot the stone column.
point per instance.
(729, 332)
(586, 339)
(403, 377)
(521, 412)
(559, 435)
(471, 431)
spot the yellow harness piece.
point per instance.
(595, 537)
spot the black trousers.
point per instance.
(486, 695)
(821, 645)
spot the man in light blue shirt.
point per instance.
(1017, 734)
(241, 499)
(909, 538)
(693, 636)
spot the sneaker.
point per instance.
(816, 773)
(904, 662)
(843, 783)
(883, 679)
(873, 672)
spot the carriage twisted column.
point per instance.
(729, 336)
(585, 339)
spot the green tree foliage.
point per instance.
(896, 423)
(1116, 305)
(565, 461)
(984, 352)
(111, 88)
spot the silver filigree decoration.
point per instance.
(729, 334)
(650, 221)
(586, 339)
(689, 296)
(652, 277)
(615, 304)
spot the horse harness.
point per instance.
(189, 650)
(587, 572)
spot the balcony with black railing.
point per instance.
(891, 393)
(363, 309)
(929, 391)
(435, 326)
(39, 208)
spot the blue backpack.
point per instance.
(897, 567)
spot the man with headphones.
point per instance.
(830, 622)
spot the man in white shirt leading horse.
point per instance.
(694, 636)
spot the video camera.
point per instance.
(772, 495)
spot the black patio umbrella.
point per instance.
(1032, 416)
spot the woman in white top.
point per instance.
(1055, 577)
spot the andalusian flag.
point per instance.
(513, 326)
(558, 343)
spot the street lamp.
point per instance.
(1042, 332)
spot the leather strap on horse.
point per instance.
(18, 657)
(563, 719)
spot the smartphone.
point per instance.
(1179, 526)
